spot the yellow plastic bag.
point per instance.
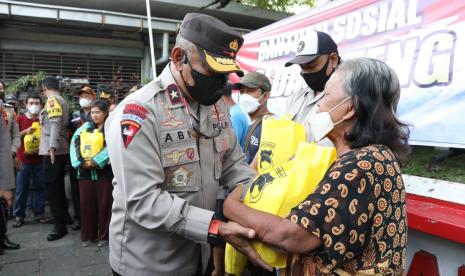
(32, 141)
(278, 142)
(278, 191)
(310, 165)
(234, 261)
(91, 143)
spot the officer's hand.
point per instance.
(8, 196)
(239, 237)
(52, 155)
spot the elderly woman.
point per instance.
(355, 221)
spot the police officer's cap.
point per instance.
(218, 43)
(104, 91)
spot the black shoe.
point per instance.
(1, 251)
(76, 225)
(57, 233)
(68, 219)
(8, 245)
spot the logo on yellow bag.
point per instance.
(266, 156)
(258, 186)
(32, 141)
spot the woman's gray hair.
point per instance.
(360, 71)
(375, 91)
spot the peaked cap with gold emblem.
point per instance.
(217, 42)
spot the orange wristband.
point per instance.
(214, 227)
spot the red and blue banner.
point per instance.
(423, 40)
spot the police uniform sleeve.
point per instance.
(55, 113)
(15, 138)
(6, 168)
(134, 151)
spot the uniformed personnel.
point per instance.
(317, 55)
(108, 95)
(7, 179)
(7, 176)
(54, 148)
(10, 107)
(172, 150)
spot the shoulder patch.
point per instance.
(53, 108)
(133, 117)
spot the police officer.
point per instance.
(7, 179)
(172, 150)
(11, 108)
(106, 94)
(54, 148)
(317, 55)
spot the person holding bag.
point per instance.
(355, 222)
(90, 157)
(31, 163)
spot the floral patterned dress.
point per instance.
(359, 213)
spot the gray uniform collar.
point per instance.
(174, 94)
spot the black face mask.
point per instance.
(316, 81)
(207, 89)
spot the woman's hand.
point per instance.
(240, 238)
(88, 164)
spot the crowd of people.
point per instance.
(45, 142)
(162, 175)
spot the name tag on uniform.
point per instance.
(174, 136)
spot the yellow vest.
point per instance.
(91, 143)
(32, 141)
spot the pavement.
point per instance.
(63, 257)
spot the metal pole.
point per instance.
(152, 49)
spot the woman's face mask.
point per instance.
(207, 90)
(321, 123)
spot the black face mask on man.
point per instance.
(207, 90)
(316, 81)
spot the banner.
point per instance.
(422, 40)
